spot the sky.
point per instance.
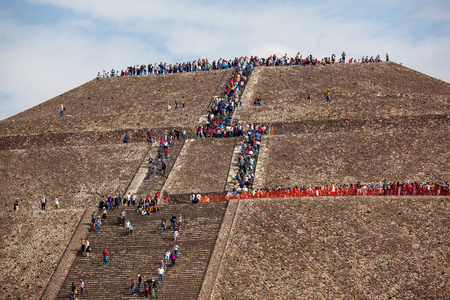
(48, 47)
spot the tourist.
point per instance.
(105, 257)
(128, 227)
(153, 286)
(133, 287)
(93, 218)
(139, 282)
(62, 110)
(160, 274)
(57, 205)
(88, 247)
(163, 225)
(163, 264)
(99, 222)
(173, 220)
(120, 196)
(179, 221)
(167, 256)
(176, 233)
(74, 289)
(16, 204)
(43, 202)
(146, 289)
(123, 214)
(173, 259)
(328, 96)
(82, 287)
(104, 215)
(175, 250)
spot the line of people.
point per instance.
(248, 157)
(255, 61)
(383, 188)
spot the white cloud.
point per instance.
(44, 60)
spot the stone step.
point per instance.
(141, 253)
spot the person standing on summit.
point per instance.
(343, 56)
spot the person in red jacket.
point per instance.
(105, 257)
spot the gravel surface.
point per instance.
(338, 248)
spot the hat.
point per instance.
(139, 275)
(81, 279)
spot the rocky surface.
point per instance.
(34, 240)
(338, 248)
(125, 102)
(358, 91)
(344, 158)
(203, 167)
(32, 244)
(80, 174)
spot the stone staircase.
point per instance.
(142, 252)
(156, 183)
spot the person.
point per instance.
(179, 221)
(167, 256)
(82, 286)
(176, 233)
(43, 202)
(74, 289)
(57, 203)
(133, 287)
(105, 257)
(175, 250)
(128, 227)
(163, 264)
(160, 274)
(173, 220)
(309, 98)
(122, 216)
(173, 258)
(139, 282)
(343, 56)
(146, 289)
(153, 287)
(63, 109)
(88, 247)
(120, 198)
(126, 139)
(387, 57)
(163, 225)
(93, 218)
(83, 246)
(104, 215)
(16, 204)
(328, 96)
(99, 222)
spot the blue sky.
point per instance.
(49, 46)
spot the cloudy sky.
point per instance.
(48, 46)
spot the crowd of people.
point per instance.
(382, 188)
(148, 205)
(254, 61)
(248, 157)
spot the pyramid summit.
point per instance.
(383, 124)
